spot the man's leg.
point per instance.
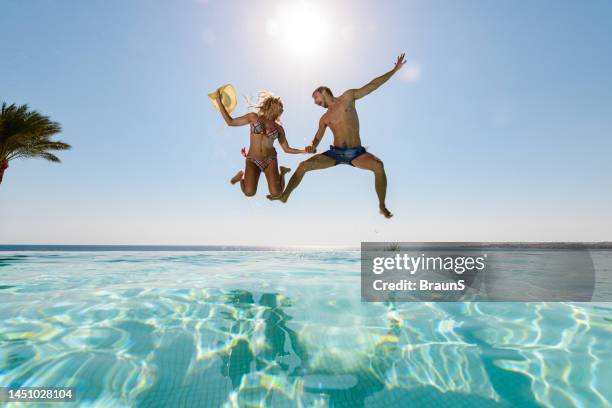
(368, 161)
(316, 162)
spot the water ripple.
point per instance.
(251, 328)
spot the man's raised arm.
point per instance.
(377, 82)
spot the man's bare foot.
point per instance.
(284, 170)
(237, 177)
(279, 197)
(384, 211)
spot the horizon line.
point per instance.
(245, 247)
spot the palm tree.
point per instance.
(26, 134)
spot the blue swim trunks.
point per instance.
(344, 155)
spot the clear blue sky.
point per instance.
(498, 128)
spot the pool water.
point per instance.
(283, 328)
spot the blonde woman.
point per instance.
(261, 157)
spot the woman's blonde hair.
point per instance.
(268, 106)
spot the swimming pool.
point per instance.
(283, 328)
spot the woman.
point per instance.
(261, 157)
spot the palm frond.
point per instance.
(50, 157)
(27, 134)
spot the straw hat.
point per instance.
(228, 97)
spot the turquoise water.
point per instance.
(283, 328)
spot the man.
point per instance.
(341, 118)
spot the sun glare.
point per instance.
(302, 27)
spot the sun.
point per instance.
(302, 27)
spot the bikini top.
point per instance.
(259, 128)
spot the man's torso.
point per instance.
(343, 121)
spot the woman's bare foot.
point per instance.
(237, 177)
(384, 211)
(284, 170)
(279, 197)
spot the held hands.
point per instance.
(310, 149)
(399, 63)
